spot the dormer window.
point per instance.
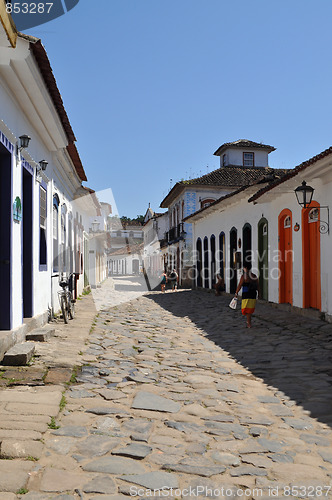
(205, 203)
(224, 160)
(248, 159)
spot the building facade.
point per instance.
(242, 162)
(287, 244)
(41, 225)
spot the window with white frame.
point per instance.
(248, 159)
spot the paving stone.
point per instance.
(114, 465)
(71, 430)
(21, 449)
(299, 424)
(153, 480)
(256, 420)
(313, 439)
(220, 418)
(258, 431)
(81, 394)
(268, 399)
(94, 446)
(61, 445)
(133, 450)
(247, 470)
(111, 394)
(100, 410)
(14, 474)
(326, 455)
(101, 484)
(40, 334)
(150, 401)
(58, 480)
(200, 470)
(226, 459)
(19, 354)
(186, 427)
(257, 460)
(281, 458)
(274, 446)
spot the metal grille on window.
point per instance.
(314, 215)
(287, 222)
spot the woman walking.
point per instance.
(250, 287)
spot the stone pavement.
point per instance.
(175, 393)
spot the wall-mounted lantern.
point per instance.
(304, 194)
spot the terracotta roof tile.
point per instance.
(243, 143)
(232, 176)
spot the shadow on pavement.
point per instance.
(288, 351)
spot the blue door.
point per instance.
(5, 238)
(27, 244)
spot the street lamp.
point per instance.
(304, 194)
(24, 143)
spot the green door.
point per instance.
(263, 258)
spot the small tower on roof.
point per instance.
(244, 153)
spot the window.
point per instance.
(42, 227)
(287, 222)
(314, 215)
(248, 159)
(55, 233)
(207, 202)
(63, 238)
(223, 160)
(264, 230)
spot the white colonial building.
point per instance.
(42, 227)
(289, 245)
(241, 162)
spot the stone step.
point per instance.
(19, 354)
(40, 334)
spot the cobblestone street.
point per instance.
(175, 393)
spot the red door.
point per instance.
(311, 256)
(285, 257)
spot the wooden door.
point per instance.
(311, 256)
(285, 257)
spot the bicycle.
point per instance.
(67, 303)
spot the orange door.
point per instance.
(285, 257)
(311, 256)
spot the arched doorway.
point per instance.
(232, 259)
(199, 262)
(263, 258)
(213, 259)
(206, 262)
(247, 246)
(311, 256)
(285, 257)
(222, 255)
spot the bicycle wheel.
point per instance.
(71, 307)
(64, 308)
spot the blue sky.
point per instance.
(152, 88)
